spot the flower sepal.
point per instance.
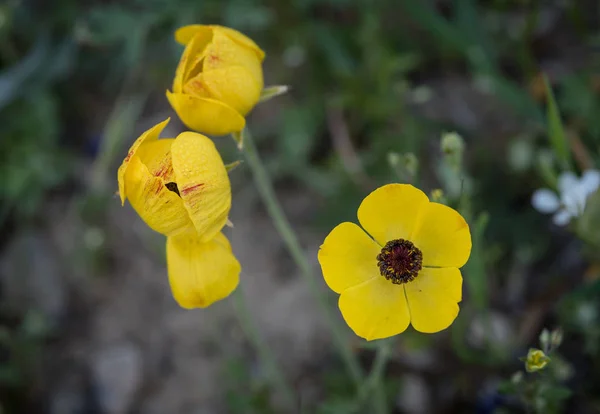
(271, 92)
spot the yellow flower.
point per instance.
(176, 184)
(181, 189)
(536, 360)
(218, 80)
(407, 271)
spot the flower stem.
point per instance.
(374, 383)
(265, 188)
(275, 375)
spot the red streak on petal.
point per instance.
(164, 171)
(190, 189)
(129, 154)
(158, 187)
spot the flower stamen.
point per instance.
(400, 261)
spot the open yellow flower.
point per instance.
(218, 80)
(406, 272)
(176, 184)
(181, 189)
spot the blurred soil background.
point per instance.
(88, 323)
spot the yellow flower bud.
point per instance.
(437, 196)
(218, 80)
(177, 186)
(536, 360)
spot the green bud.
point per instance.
(545, 340)
(411, 164)
(520, 154)
(556, 338)
(517, 378)
(452, 143)
(393, 159)
(453, 147)
(405, 165)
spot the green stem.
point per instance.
(275, 375)
(374, 383)
(265, 188)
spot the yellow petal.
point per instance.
(233, 85)
(184, 34)
(375, 309)
(192, 56)
(156, 156)
(161, 209)
(150, 135)
(206, 115)
(223, 52)
(443, 237)
(242, 39)
(203, 182)
(433, 298)
(201, 273)
(391, 212)
(348, 257)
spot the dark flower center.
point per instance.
(400, 261)
(172, 187)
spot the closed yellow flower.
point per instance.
(218, 80)
(181, 189)
(176, 184)
(405, 270)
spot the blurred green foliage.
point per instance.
(76, 76)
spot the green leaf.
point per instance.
(447, 36)
(13, 79)
(589, 222)
(556, 131)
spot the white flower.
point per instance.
(573, 193)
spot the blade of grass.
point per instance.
(474, 270)
(556, 131)
(447, 36)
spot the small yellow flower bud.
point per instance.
(437, 196)
(536, 360)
